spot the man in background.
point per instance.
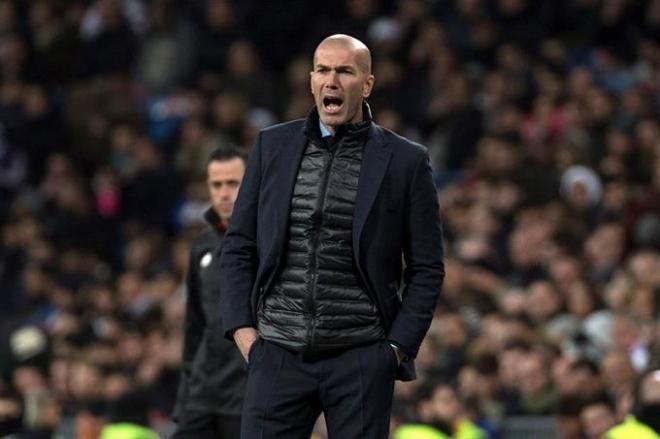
(212, 377)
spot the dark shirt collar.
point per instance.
(214, 220)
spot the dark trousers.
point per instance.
(205, 425)
(285, 393)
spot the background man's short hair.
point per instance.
(226, 153)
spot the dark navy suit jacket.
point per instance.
(396, 232)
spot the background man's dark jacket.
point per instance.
(396, 219)
(212, 376)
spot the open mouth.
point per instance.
(332, 104)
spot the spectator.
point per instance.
(645, 423)
(448, 410)
(597, 417)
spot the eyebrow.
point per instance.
(342, 67)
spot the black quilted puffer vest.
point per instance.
(317, 304)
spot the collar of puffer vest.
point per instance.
(354, 131)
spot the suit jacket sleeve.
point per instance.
(240, 260)
(423, 254)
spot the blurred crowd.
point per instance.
(542, 122)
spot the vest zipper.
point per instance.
(318, 223)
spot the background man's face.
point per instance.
(339, 84)
(223, 180)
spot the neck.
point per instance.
(214, 218)
(359, 117)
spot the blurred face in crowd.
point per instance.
(115, 385)
(650, 388)
(587, 379)
(11, 414)
(645, 268)
(649, 400)
(510, 360)
(625, 332)
(445, 403)
(341, 79)
(579, 300)
(85, 380)
(605, 246)
(451, 331)
(532, 375)
(597, 419)
(616, 370)
(224, 179)
(28, 378)
(543, 301)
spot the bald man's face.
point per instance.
(339, 82)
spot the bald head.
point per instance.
(340, 80)
(650, 388)
(361, 51)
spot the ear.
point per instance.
(368, 86)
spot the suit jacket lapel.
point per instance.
(375, 159)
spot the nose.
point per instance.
(224, 191)
(332, 80)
